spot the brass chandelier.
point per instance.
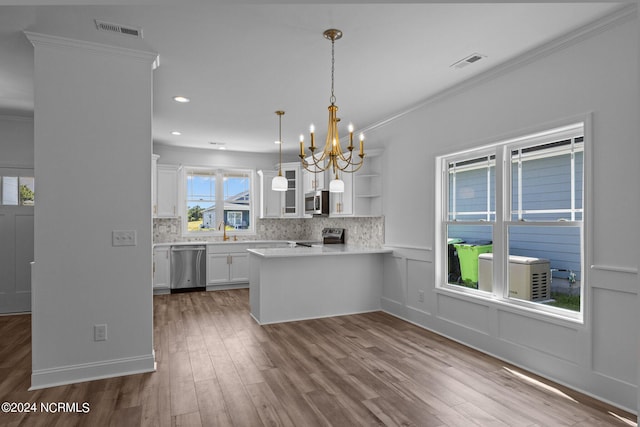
(332, 157)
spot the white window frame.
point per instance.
(219, 173)
(503, 220)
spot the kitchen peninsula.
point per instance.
(295, 283)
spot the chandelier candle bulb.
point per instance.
(361, 145)
(350, 136)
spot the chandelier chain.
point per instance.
(332, 99)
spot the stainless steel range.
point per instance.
(330, 236)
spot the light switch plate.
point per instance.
(123, 238)
(100, 332)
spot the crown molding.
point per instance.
(618, 17)
(16, 118)
(58, 42)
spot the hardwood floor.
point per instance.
(217, 367)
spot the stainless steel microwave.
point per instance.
(316, 203)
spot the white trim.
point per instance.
(52, 377)
(16, 118)
(615, 269)
(57, 42)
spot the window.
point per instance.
(511, 225)
(17, 191)
(203, 187)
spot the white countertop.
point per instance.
(317, 250)
(228, 242)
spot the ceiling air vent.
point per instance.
(474, 57)
(120, 29)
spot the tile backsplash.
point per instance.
(361, 231)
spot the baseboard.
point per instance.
(63, 375)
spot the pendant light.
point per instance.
(332, 157)
(279, 183)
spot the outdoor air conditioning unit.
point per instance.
(529, 278)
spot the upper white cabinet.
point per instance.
(341, 204)
(281, 204)
(312, 181)
(367, 187)
(291, 197)
(166, 191)
(270, 201)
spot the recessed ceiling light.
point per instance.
(277, 142)
(176, 133)
(222, 148)
(181, 99)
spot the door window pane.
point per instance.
(10, 190)
(26, 189)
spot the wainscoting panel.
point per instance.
(420, 289)
(546, 337)
(464, 313)
(614, 353)
(394, 289)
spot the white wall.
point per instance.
(93, 172)
(16, 141)
(597, 74)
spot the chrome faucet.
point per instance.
(224, 231)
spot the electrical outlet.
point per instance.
(100, 332)
(421, 295)
(123, 238)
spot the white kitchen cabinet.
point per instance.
(227, 265)
(154, 184)
(312, 181)
(270, 201)
(281, 204)
(161, 270)
(167, 191)
(291, 197)
(341, 204)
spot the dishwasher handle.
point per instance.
(187, 248)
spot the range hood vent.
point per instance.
(471, 59)
(120, 29)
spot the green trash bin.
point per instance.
(468, 255)
(454, 262)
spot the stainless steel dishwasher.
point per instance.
(188, 267)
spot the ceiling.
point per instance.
(239, 63)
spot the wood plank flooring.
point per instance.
(217, 367)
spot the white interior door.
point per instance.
(16, 237)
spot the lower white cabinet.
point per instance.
(161, 270)
(227, 265)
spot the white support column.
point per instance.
(93, 146)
